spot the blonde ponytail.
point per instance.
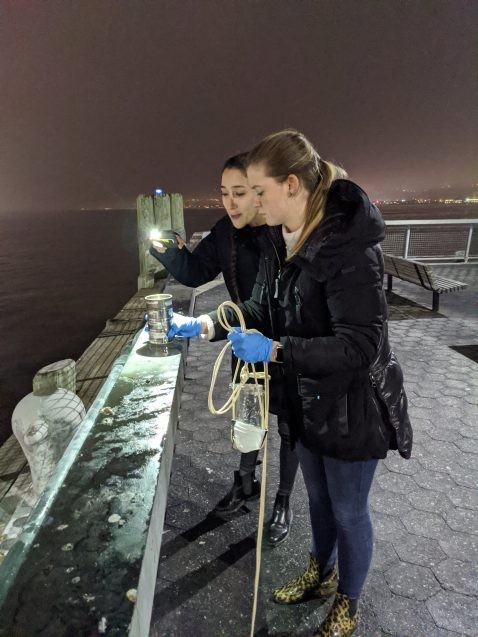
(290, 152)
(315, 209)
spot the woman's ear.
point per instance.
(293, 185)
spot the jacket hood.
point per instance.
(351, 222)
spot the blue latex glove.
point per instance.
(184, 326)
(252, 348)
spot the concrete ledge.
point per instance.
(87, 562)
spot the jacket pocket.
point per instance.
(324, 414)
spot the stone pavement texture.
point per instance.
(424, 576)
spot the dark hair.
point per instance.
(238, 162)
(289, 152)
(235, 287)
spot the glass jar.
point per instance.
(250, 404)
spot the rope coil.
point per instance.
(248, 371)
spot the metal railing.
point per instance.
(449, 240)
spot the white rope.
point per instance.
(247, 372)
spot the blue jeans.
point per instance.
(340, 517)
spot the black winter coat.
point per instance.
(214, 254)
(328, 310)
(225, 249)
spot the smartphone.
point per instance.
(166, 237)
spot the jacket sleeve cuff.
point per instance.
(218, 332)
(163, 257)
(210, 327)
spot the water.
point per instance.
(63, 274)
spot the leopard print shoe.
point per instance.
(307, 586)
(339, 622)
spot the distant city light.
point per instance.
(158, 191)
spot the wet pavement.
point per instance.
(424, 576)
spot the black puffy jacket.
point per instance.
(213, 255)
(327, 308)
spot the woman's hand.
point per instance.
(185, 326)
(250, 347)
(159, 247)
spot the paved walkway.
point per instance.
(424, 576)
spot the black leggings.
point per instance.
(288, 460)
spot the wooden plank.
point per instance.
(131, 314)
(429, 276)
(389, 265)
(12, 458)
(410, 276)
(12, 464)
(100, 355)
(448, 285)
(116, 327)
(90, 358)
(162, 213)
(96, 361)
(8, 481)
(136, 303)
(146, 222)
(88, 389)
(177, 213)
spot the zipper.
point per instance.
(276, 286)
(298, 305)
(279, 273)
(268, 300)
(269, 287)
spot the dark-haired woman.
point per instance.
(233, 248)
(343, 389)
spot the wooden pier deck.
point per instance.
(95, 363)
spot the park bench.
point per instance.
(420, 274)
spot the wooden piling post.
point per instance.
(152, 212)
(177, 214)
(162, 212)
(145, 217)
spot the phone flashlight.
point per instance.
(166, 237)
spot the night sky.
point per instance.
(101, 100)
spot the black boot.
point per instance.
(245, 488)
(279, 524)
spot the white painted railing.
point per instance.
(448, 240)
